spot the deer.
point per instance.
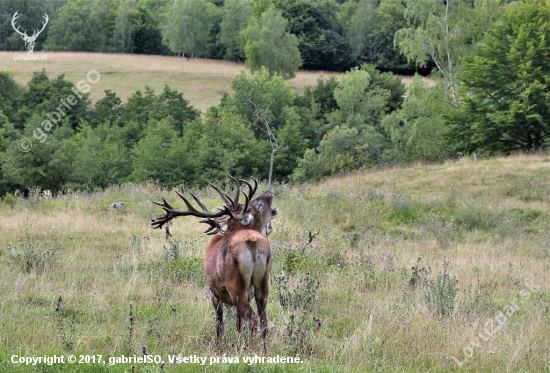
(29, 40)
(238, 259)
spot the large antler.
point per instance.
(172, 213)
(216, 220)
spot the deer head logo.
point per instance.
(29, 40)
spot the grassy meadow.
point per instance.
(201, 81)
(429, 268)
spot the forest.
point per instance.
(314, 34)
(488, 60)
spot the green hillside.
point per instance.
(441, 268)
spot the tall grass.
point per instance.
(409, 266)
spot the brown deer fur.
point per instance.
(238, 261)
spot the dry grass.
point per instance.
(201, 81)
(488, 219)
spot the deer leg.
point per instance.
(261, 302)
(261, 294)
(239, 325)
(218, 308)
(245, 311)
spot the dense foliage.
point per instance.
(159, 136)
(315, 34)
(507, 106)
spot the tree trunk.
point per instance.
(271, 168)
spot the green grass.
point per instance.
(409, 267)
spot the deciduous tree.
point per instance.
(507, 85)
(126, 23)
(79, 27)
(442, 32)
(321, 40)
(187, 27)
(269, 44)
(417, 130)
(236, 15)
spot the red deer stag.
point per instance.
(238, 260)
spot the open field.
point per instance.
(201, 81)
(442, 268)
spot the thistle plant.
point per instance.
(440, 295)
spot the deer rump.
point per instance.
(241, 261)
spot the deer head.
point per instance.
(29, 40)
(253, 214)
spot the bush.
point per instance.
(9, 200)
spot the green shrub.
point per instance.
(295, 260)
(470, 219)
(9, 200)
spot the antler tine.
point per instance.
(163, 204)
(199, 202)
(156, 223)
(255, 187)
(242, 215)
(159, 222)
(233, 204)
(247, 199)
(194, 212)
(251, 190)
(226, 199)
(189, 205)
(215, 227)
(237, 193)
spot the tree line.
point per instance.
(159, 136)
(490, 95)
(312, 34)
